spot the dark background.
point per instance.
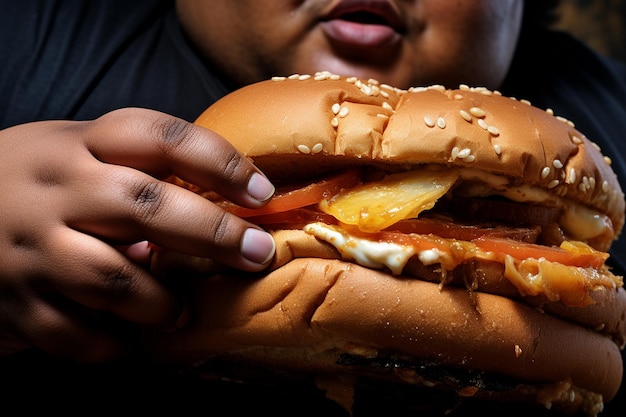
(600, 23)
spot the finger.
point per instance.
(128, 206)
(97, 276)
(162, 145)
(66, 330)
(138, 252)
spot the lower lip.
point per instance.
(360, 34)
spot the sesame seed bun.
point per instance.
(318, 312)
(289, 129)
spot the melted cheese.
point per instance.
(374, 206)
(364, 252)
(569, 284)
(377, 205)
(583, 223)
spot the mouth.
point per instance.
(368, 23)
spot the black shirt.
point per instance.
(77, 59)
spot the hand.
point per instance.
(78, 201)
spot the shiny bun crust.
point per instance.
(290, 125)
(306, 315)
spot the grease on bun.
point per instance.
(425, 228)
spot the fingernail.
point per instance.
(260, 188)
(257, 246)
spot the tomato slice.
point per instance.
(577, 255)
(285, 200)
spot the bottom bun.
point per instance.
(342, 323)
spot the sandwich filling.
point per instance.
(383, 223)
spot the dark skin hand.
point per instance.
(79, 201)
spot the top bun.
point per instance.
(296, 124)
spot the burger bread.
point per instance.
(458, 237)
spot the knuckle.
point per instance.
(220, 227)
(148, 199)
(119, 281)
(173, 134)
(232, 165)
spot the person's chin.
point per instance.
(348, 66)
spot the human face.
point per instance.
(401, 42)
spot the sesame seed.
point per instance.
(294, 76)
(458, 96)
(351, 80)
(493, 130)
(592, 182)
(335, 108)
(525, 102)
(465, 115)
(469, 158)
(553, 183)
(428, 121)
(545, 172)
(498, 149)
(335, 77)
(605, 186)
(582, 187)
(279, 78)
(464, 87)
(566, 121)
(437, 87)
(323, 74)
(387, 106)
(576, 140)
(557, 164)
(367, 90)
(477, 112)
(441, 123)
(482, 124)
(304, 149)
(550, 111)
(373, 81)
(571, 177)
(455, 153)
(464, 153)
(334, 122)
(384, 93)
(607, 160)
(382, 116)
(317, 148)
(343, 112)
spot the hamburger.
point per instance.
(449, 243)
